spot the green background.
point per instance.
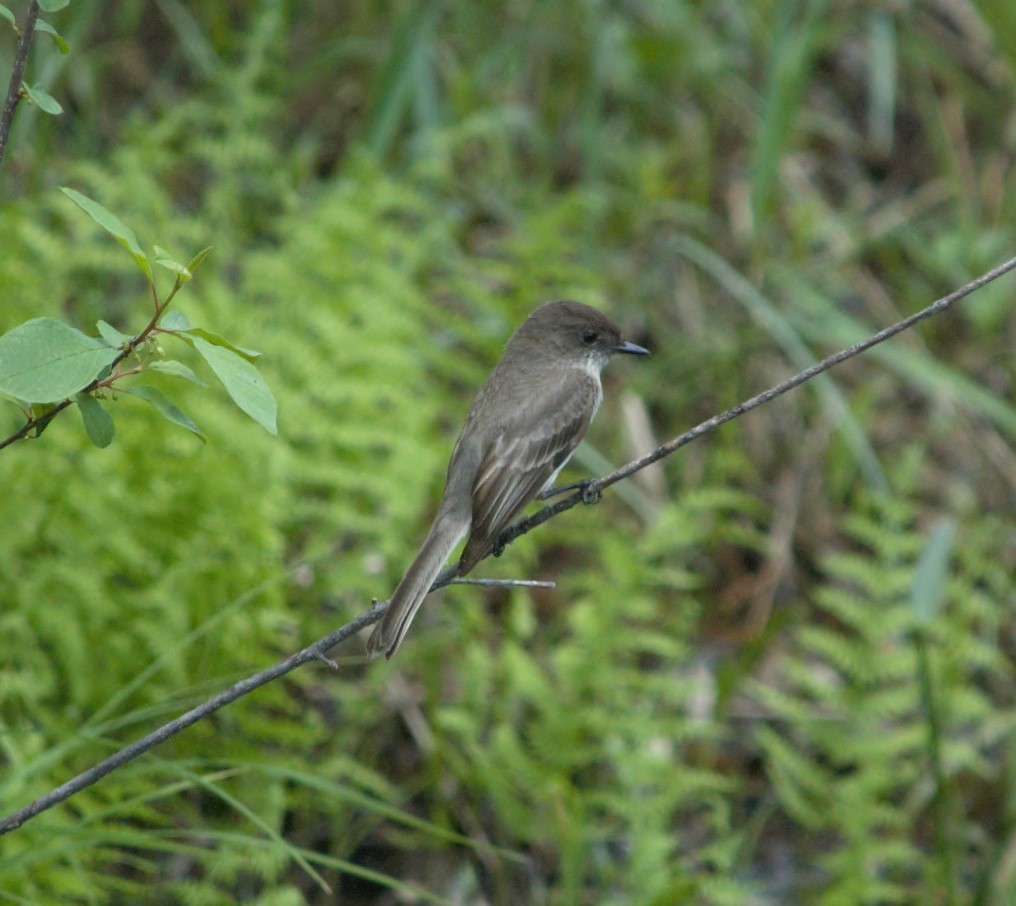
(748, 686)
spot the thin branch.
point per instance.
(504, 583)
(17, 74)
(317, 651)
(96, 773)
(35, 423)
(589, 489)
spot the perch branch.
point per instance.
(504, 583)
(317, 651)
(589, 489)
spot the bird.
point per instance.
(521, 429)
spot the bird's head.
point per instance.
(572, 331)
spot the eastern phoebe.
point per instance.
(524, 424)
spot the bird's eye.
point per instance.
(589, 337)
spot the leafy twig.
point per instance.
(17, 74)
(318, 649)
(38, 422)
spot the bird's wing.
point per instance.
(523, 457)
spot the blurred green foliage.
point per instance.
(722, 701)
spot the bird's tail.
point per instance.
(444, 535)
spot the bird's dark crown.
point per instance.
(571, 329)
(570, 325)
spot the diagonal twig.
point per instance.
(17, 74)
(318, 649)
(589, 489)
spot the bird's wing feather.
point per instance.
(518, 462)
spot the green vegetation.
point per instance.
(776, 670)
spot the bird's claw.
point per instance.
(590, 493)
(588, 496)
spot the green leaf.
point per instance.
(213, 338)
(177, 369)
(51, 6)
(44, 360)
(112, 336)
(5, 13)
(174, 320)
(927, 590)
(42, 99)
(98, 422)
(42, 26)
(197, 260)
(164, 259)
(113, 225)
(158, 400)
(243, 382)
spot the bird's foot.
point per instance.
(590, 493)
(582, 485)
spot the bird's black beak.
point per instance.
(631, 349)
